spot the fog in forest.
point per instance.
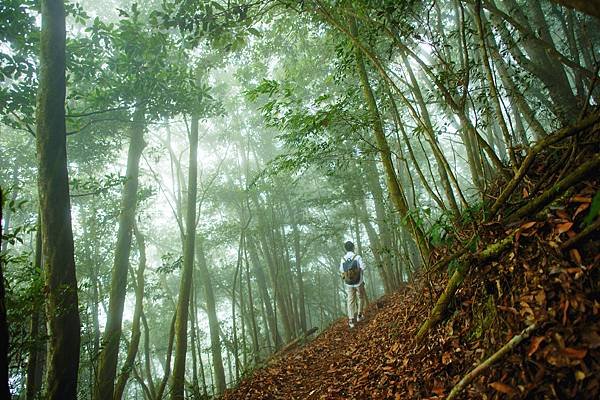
(179, 179)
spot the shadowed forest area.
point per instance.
(179, 180)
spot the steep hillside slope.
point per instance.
(545, 282)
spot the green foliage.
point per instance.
(170, 263)
(93, 185)
(439, 229)
(19, 36)
(594, 210)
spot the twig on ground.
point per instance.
(512, 343)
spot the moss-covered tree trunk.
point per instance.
(55, 209)
(383, 147)
(107, 366)
(185, 286)
(384, 243)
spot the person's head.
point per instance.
(349, 246)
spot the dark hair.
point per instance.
(349, 246)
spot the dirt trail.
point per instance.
(340, 362)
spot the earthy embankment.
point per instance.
(547, 280)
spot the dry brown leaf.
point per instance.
(528, 225)
(575, 256)
(575, 353)
(438, 390)
(580, 199)
(503, 387)
(562, 228)
(563, 214)
(580, 209)
(535, 344)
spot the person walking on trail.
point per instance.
(352, 268)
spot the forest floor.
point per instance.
(535, 281)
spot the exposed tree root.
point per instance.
(490, 252)
(512, 343)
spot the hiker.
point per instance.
(351, 268)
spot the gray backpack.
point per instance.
(351, 274)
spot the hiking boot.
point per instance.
(351, 323)
(360, 318)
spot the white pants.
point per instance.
(355, 297)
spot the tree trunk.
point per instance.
(428, 128)
(135, 327)
(213, 321)
(4, 340)
(495, 96)
(384, 150)
(251, 313)
(261, 281)
(107, 365)
(167, 369)
(183, 302)
(384, 245)
(55, 208)
(276, 280)
(35, 362)
(298, 263)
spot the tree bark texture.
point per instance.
(183, 301)
(107, 365)
(55, 208)
(213, 321)
(132, 350)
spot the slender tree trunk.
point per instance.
(495, 96)
(135, 327)
(147, 358)
(515, 94)
(183, 301)
(55, 209)
(542, 66)
(167, 369)
(384, 150)
(36, 354)
(428, 128)
(193, 340)
(275, 278)
(107, 365)
(376, 246)
(261, 281)
(298, 263)
(251, 314)
(4, 385)
(213, 321)
(384, 244)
